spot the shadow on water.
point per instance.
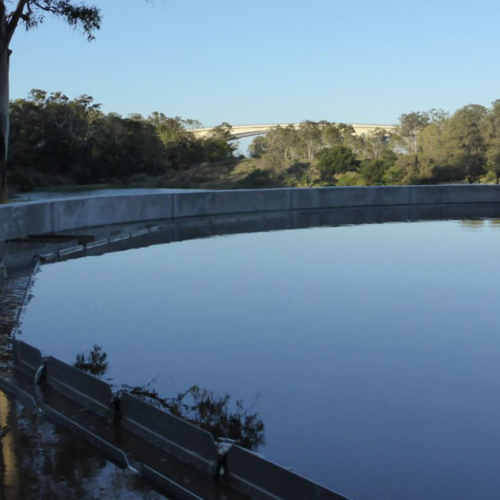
(214, 413)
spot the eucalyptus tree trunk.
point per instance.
(4, 101)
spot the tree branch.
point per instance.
(46, 8)
(15, 18)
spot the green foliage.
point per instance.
(217, 149)
(220, 145)
(373, 172)
(409, 127)
(333, 161)
(350, 179)
(407, 168)
(77, 15)
(258, 147)
(22, 180)
(494, 164)
(393, 176)
(373, 145)
(471, 165)
(56, 139)
(299, 174)
(258, 178)
(437, 148)
(73, 139)
(319, 153)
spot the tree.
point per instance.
(180, 144)
(220, 145)
(218, 149)
(406, 170)
(349, 137)
(494, 164)
(372, 171)
(492, 137)
(331, 134)
(407, 131)
(31, 13)
(55, 139)
(58, 140)
(337, 160)
(258, 147)
(465, 137)
(283, 142)
(311, 138)
(375, 143)
(432, 145)
(471, 165)
(224, 131)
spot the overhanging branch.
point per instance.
(15, 18)
(46, 8)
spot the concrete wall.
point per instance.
(22, 219)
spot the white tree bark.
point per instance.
(4, 102)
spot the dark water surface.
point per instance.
(41, 461)
(372, 353)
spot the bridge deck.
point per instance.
(241, 131)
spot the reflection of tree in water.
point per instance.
(472, 224)
(49, 462)
(201, 407)
(210, 412)
(14, 290)
(94, 363)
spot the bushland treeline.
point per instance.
(60, 141)
(57, 140)
(425, 148)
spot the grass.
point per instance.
(224, 175)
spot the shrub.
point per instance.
(258, 178)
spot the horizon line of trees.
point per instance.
(55, 139)
(59, 141)
(425, 148)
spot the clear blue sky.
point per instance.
(269, 61)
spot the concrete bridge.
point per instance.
(241, 131)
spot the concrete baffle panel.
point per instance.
(177, 437)
(260, 479)
(26, 358)
(79, 386)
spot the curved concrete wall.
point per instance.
(22, 219)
